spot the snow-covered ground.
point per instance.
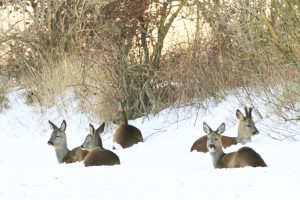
(160, 168)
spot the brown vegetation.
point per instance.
(115, 50)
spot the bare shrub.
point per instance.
(113, 50)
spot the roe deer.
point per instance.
(243, 157)
(97, 154)
(126, 135)
(246, 130)
(58, 140)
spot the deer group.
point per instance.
(246, 131)
(92, 152)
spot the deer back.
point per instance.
(125, 135)
(75, 155)
(98, 157)
(243, 157)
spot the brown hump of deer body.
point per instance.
(98, 157)
(246, 130)
(125, 135)
(75, 155)
(243, 157)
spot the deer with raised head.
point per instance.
(126, 135)
(58, 140)
(97, 155)
(246, 131)
(243, 157)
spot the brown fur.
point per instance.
(75, 155)
(126, 135)
(98, 157)
(246, 131)
(243, 157)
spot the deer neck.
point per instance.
(124, 118)
(244, 140)
(241, 138)
(217, 156)
(61, 153)
(98, 142)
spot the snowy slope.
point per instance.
(160, 168)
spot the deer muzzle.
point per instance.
(211, 147)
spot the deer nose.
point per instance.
(256, 132)
(50, 143)
(211, 146)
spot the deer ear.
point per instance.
(52, 126)
(63, 125)
(239, 115)
(250, 112)
(206, 128)
(221, 129)
(100, 129)
(92, 129)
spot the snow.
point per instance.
(160, 168)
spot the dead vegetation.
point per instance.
(114, 50)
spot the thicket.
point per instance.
(112, 50)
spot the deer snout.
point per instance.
(211, 146)
(50, 143)
(256, 132)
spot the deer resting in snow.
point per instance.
(126, 135)
(58, 140)
(243, 157)
(97, 155)
(246, 131)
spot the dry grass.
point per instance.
(86, 56)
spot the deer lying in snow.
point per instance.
(126, 135)
(97, 155)
(58, 140)
(246, 131)
(243, 157)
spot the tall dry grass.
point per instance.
(249, 47)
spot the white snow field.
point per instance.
(160, 168)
